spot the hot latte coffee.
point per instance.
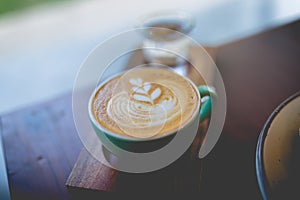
(145, 102)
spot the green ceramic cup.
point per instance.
(139, 145)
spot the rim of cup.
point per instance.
(135, 139)
(261, 177)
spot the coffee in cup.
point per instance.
(145, 102)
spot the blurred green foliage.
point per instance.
(15, 5)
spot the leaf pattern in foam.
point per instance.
(147, 86)
(139, 97)
(142, 91)
(139, 90)
(155, 94)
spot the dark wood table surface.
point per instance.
(41, 143)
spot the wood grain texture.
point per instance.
(259, 73)
(41, 146)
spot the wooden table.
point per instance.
(41, 144)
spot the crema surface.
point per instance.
(145, 102)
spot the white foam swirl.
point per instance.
(144, 111)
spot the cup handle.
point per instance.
(205, 93)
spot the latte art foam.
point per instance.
(145, 102)
(148, 107)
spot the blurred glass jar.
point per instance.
(165, 37)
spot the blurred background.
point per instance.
(43, 42)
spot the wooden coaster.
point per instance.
(182, 175)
